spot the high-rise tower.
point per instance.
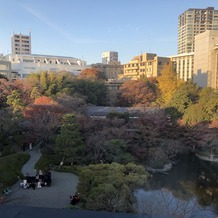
(191, 23)
(21, 44)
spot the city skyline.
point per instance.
(84, 29)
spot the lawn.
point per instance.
(10, 168)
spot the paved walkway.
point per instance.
(55, 196)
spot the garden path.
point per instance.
(56, 196)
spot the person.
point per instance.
(75, 199)
(30, 146)
(23, 146)
(24, 184)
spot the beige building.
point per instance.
(206, 59)
(193, 22)
(21, 44)
(144, 65)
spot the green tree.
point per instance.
(94, 91)
(49, 83)
(205, 109)
(44, 80)
(69, 141)
(109, 187)
(185, 96)
(167, 83)
(35, 93)
(15, 101)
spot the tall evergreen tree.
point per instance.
(69, 141)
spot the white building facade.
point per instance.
(184, 64)
(24, 64)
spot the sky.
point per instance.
(85, 28)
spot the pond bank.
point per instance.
(210, 158)
(167, 167)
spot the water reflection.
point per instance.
(189, 190)
(164, 203)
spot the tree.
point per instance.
(185, 96)
(155, 139)
(167, 83)
(205, 109)
(94, 91)
(74, 103)
(43, 118)
(91, 73)
(69, 141)
(5, 90)
(48, 83)
(35, 93)
(138, 92)
(9, 126)
(109, 187)
(44, 100)
(15, 101)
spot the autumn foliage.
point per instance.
(90, 73)
(138, 93)
(44, 100)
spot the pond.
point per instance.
(190, 189)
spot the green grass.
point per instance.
(75, 169)
(10, 168)
(48, 159)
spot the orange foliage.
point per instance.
(214, 123)
(44, 100)
(90, 73)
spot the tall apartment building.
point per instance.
(21, 44)
(109, 57)
(190, 24)
(193, 22)
(146, 64)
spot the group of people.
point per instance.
(37, 181)
(25, 145)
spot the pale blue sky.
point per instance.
(86, 28)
